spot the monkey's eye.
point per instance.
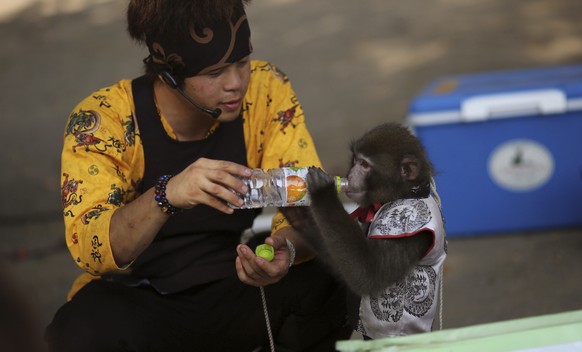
(362, 163)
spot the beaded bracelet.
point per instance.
(160, 196)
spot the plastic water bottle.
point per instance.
(281, 187)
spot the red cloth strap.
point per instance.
(366, 214)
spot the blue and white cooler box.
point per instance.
(507, 148)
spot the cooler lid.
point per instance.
(502, 94)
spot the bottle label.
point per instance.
(296, 186)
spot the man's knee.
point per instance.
(88, 323)
(72, 331)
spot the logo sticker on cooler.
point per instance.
(296, 186)
(521, 165)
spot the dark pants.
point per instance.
(306, 310)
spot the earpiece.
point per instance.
(170, 80)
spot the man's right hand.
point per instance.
(209, 182)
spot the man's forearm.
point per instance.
(134, 226)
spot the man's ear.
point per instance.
(409, 168)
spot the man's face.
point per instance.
(222, 87)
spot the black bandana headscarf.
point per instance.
(205, 49)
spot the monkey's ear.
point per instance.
(409, 168)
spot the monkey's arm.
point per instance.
(302, 221)
(367, 265)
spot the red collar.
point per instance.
(366, 214)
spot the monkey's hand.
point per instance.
(320, 185)
(298, 217)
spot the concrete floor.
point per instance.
(354, 64)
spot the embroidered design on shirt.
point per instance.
(129, 132)
(285, 118)
(116, 195)
(268, 67)
(69, 194)
(82, 125)
(402, 216)
(93, 214)
(290, 163)
(414, 295)
(95, 245)
(360, 328)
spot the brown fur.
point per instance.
(367, 266)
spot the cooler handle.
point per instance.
(544, 102)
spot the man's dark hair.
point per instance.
(171, 20)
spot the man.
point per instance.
(149, 166)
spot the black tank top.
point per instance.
(198, 245)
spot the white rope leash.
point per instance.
(266, 311)
(441, 285)
(262, 289)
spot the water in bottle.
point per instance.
(280, 187)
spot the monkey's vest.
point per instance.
(408, 306)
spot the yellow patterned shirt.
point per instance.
(103, 157)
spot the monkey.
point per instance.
(391, 258)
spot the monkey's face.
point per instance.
(374, 179)
(357, 176)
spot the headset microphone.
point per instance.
(171, 81)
